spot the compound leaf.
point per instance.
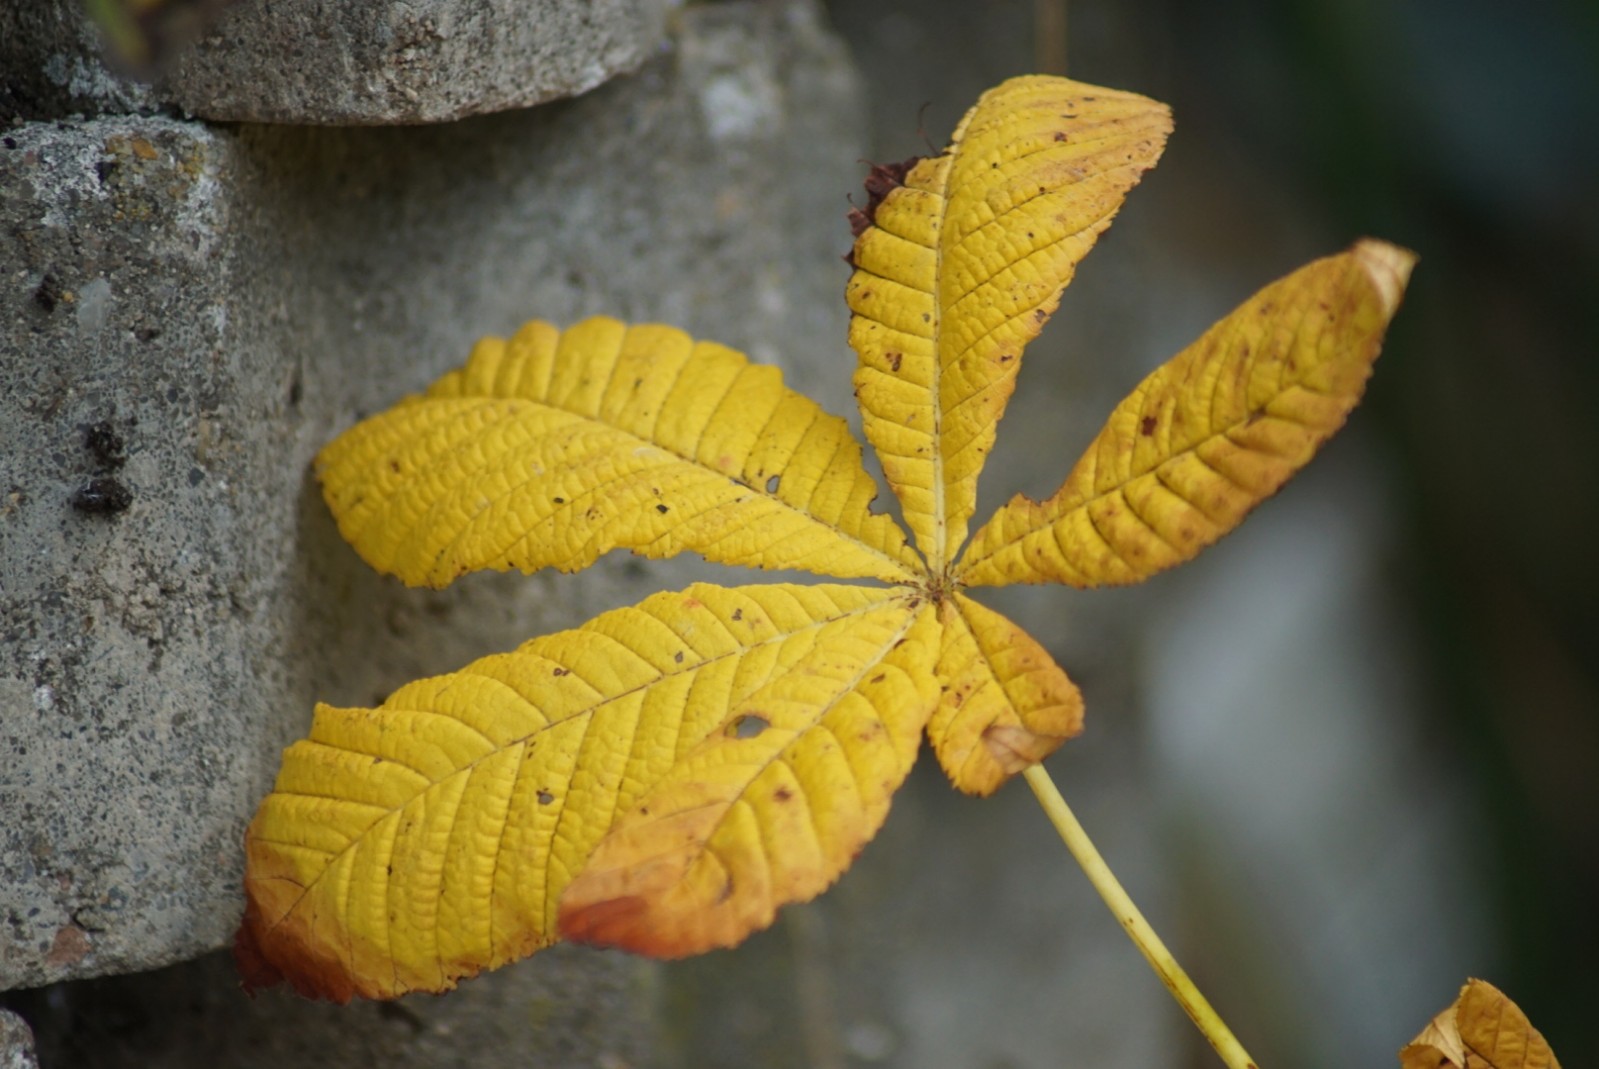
(771, 807)
(1482, 1030)
(958, 268)
(553, 448)
(1006, 703)
(667, 776)
(407, 846)
(1207, 436)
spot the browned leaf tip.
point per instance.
(883, 180)
(256, 973)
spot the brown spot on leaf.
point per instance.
(782, 794)
(1146, 426)
(1014, 748)
(678, 657)
(894, 360)
(1060, 135)
(662, 509)
(738, 614)
(561, 671)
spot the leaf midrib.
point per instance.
(901, 570)
(907, 594)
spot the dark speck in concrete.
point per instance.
(102, 440)
(102, 495)
(49, 293)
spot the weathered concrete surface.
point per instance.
(364, 61)
(387, 61)
(191, 312)
(51, 65)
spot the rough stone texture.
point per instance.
(51, 65)
(16, 1043)
(567, 1007)
(306, 61)
(191, 311)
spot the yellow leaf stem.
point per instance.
(1006, 703)
(772, 807)
(553, 448)
(1208, 435)
(1171, 974)
(958, 268)
(407, 846)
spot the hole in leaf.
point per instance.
(771, 484)
(747, 726)
(545, 797)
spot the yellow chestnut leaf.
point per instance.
(1208, 435)
(1482, 1030)
(668, 776)
(552, 448)
(957, 269)
(772, 808)
(1006, 703)
(407, 846)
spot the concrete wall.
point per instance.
(189, 311)
(304, 61)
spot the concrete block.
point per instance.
(189, 312)
(16, 1043)
(304, 61)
